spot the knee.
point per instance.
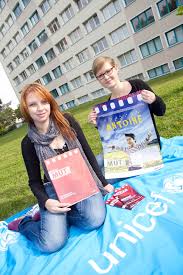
(97, 220)
(52, 244)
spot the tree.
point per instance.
(7, 118)
(18, 113)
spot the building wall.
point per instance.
(134, 64)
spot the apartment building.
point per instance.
(54, 42)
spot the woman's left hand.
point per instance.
(148, 96)
(109, 188)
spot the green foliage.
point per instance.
(18, 113)
(7, 119)
(15, 194)
(179, 10)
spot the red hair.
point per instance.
(56, 114)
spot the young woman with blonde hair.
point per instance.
(106, 71)
(50, 133)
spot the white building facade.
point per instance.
(55, 42)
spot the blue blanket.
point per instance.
(145, 240)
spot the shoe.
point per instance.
(33, 213)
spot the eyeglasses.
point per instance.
(107, 72)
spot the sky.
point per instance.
(7, 93)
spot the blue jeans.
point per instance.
(100, 160)
(52, 231)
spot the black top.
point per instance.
(157, 108)
(33, 165)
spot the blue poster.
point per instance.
(129, 140)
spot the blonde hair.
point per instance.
(56, 114)
(100, 61)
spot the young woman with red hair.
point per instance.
(50, 133)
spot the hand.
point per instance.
(109, 188)
(54, 206)
(92, 117)
(148, 96)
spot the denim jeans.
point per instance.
(52, 231)
(100, 160)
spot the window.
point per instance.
(25, 2)
(47, 78)
(17, 80)
(3, 30)
(69, 64)
(67, 14)
(64, 89)
(70, 104)
(76, 82)
(98, 93)
(140, 76)
(83, 56)
(17, 37)
(62, 107)
(17, 60)
(142, 20)
(83, 99)
(4, 53)
(100, 46)
(17, 10)
(127, 58)
(128, 2)
(54, 93)
(24, 53)
(25, 29)
(175, 36)
(50, 54)
(10, 67)
(9, 20)
(24, 75)
(54, 25)
(2, 4)
(158, 71)
(34, 18)
(75, 35)
(31, 69)
(89, 76)
(10, 45)
(82, 3)
(45, 6)
(92, 23)
(166, 6)
(119, 34)
(33, 45)
(57, 72)
(40, 62)
(151, 47)
(111, 9)
(178, 63)
(42, 37)
(62, 45)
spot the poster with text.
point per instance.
(129, 140)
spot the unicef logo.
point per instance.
(7, 237)
(174, 184)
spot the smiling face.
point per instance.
(107, 75)
(38, 108)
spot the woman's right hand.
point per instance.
(92, 117)
(54, 206)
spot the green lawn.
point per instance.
(15, 194)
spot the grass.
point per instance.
(15, 194)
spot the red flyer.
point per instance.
(125, 197)
(71, 177)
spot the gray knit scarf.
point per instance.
(44, 151)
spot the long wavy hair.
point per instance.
(55, 113)
(100, 61)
